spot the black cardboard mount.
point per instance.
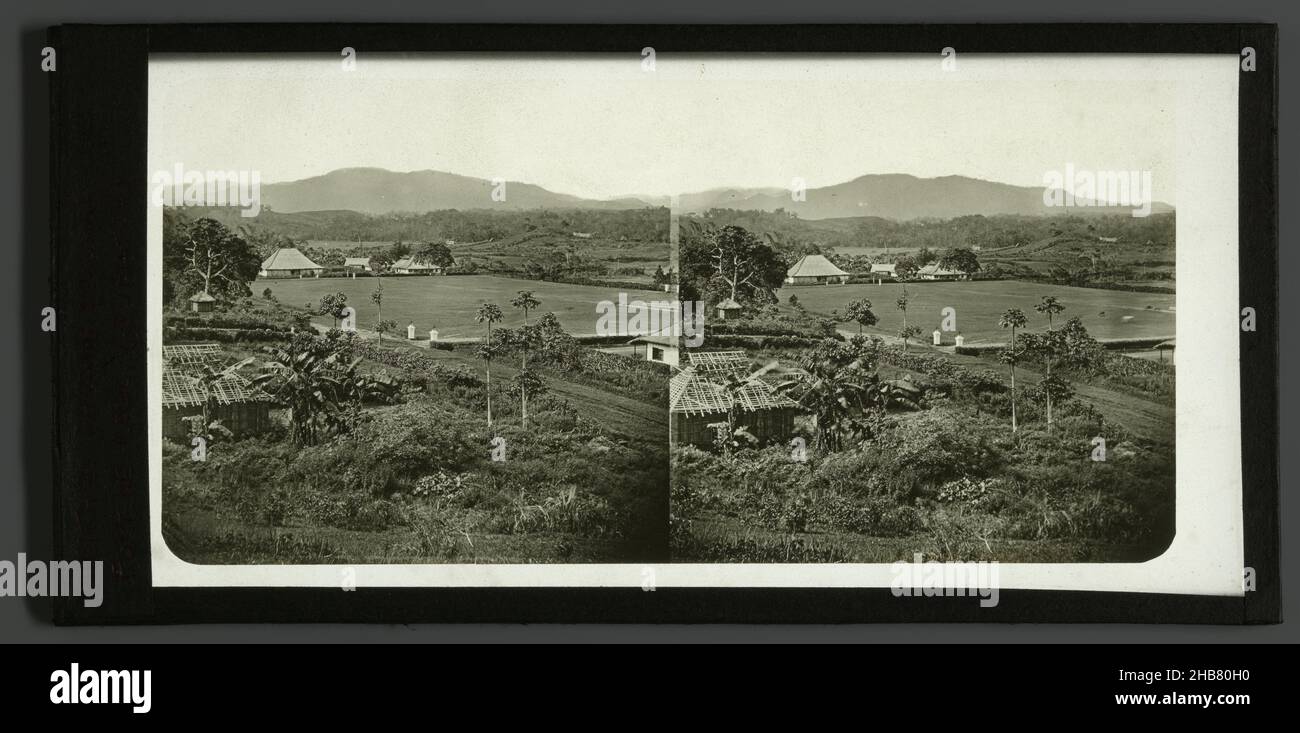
(99, 116)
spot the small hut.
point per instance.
(202, 302)
(1164, 346)
(356, 264)
(715, 383)
(884, 271)
(241, 407)
(661, 346)
(728, 310)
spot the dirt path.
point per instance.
(613, 412)
(1146, 418)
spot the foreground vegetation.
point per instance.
(381, 453)
(1029, 452)
(884, 478)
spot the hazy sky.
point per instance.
(602, 126)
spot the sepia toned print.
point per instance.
(779, 322)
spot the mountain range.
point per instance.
(890, 196)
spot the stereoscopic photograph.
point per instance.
(951, 332)
(409, 313)
(816, 316)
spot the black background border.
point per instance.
(98, 158)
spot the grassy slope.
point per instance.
(449, 302)
(979, 304)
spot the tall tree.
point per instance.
(434, 253)
(205, 256)
(1012, 318)
(399, 250)
(961, 259)
(905, 333)
(525, 302)
(377, 297)
(905, 267)
(1049, 306)
(488, 313)
(729, 263)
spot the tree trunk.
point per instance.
(1049, 392)
(523, 388)
(1013, 398)
(1013, 379)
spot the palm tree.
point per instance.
(488, 313)
(1050, 306)
(902, 305)
(1012, 318)
(832, 394)
(525, 302)
(377, 298)
(301, 374)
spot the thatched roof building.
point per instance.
(815, 270)
(289, 262)
(239, 404)
(713, 384)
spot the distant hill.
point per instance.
(379, 191)
(900, 198)
(896, 197)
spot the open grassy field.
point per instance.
(448, 303)
(979, 305)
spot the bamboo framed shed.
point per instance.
(712, 385)
(187, 385)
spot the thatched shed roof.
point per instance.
(693, 393)
(182, 385)
(814, 266)
(187, 354)
(715, 362)
(289, 258)
(702, 388)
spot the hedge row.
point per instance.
(762, 342)
(417, 364)
(227, 335)
(751, 328)
(1107, 286)
(243, 323)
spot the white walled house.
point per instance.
(661, 347)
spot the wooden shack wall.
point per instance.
(769, 426)
(244, 418)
